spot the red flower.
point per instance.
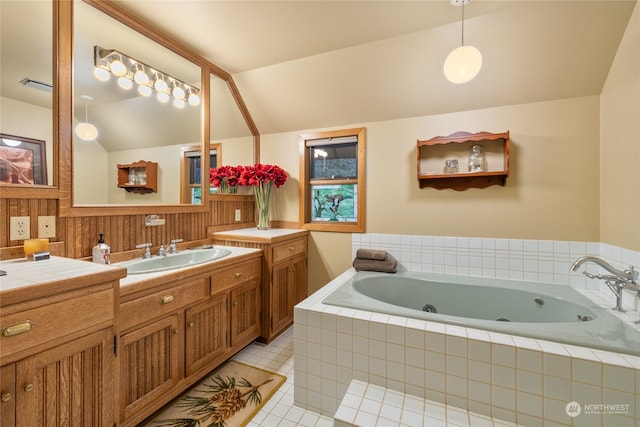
(261, 173)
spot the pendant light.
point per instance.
(463, 63)
(85, 130)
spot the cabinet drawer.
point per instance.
(236, 275)
(287, 250)
(53, 321)
(159, 303)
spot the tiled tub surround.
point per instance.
(521, 380)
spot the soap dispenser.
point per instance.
(102, 252)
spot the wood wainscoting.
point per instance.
(76, 236)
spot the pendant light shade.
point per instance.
(463, 63)
(85, 130)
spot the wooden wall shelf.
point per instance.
(432, 153)
(148, 170)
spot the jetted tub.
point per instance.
(535, 310)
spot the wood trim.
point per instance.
(303, 208)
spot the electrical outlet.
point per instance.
(46, 226)
(238, 215)
(19, 228)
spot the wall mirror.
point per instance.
(130, 125)
(26, 84)
(228, 127)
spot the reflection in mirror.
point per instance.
(191, 172)
(131, 127)
(228, 127)
(26, 79)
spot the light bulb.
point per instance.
(125, 83)
(462, 64)
(145, 90)
(163, 97)
(118, 68)
(161, 85)
(101, 74)
(178, 103)
(193, 99)
(178, 92)
(86, 131)
(141, 77)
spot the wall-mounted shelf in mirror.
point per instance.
(140, 177)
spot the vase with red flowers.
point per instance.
(262, 178)
(225, 178)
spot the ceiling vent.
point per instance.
(36, 84)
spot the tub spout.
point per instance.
(616, 281)
(625, 276)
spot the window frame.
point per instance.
(305, 184)
(185, 185)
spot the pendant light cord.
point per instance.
(463, 1)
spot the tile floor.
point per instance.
(279, 411)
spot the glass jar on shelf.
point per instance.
(451, 166)
(477, 160)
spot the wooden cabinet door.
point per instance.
(206, 332)
(8, 394)
(299, 280)
(72, 384)
(149, 363)
(245, 314)
(282, 297)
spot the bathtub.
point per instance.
(555, 313)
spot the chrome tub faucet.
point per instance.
(617, 281)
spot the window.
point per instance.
(332, 180)
(191, 179)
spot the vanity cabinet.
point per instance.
(433, 153)
(176, 329)
(144, 174)
(57, 347)
(284, 272)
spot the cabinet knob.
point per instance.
(28, 387)
(235, 303)
(191, 324)
(176, 332)
(6, 396)
(292, 269)
(167, 299)
(292, 248)
(237, 275)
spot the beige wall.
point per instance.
(620, 144)
(551, 193)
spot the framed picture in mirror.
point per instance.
(22, 160)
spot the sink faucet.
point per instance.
(172, 248)
(147, 249)
(616, 281)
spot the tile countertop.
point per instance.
(51, 275)
(271, 235)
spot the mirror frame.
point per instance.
(63, 106)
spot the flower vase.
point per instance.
(262, 193)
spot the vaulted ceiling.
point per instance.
(309, 64)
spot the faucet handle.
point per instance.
(173, 242)
(147, 249)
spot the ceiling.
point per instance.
(316, 64)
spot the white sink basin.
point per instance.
(173, 261)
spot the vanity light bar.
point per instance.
(111, 61)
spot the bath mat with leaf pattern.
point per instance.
(229, 397)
